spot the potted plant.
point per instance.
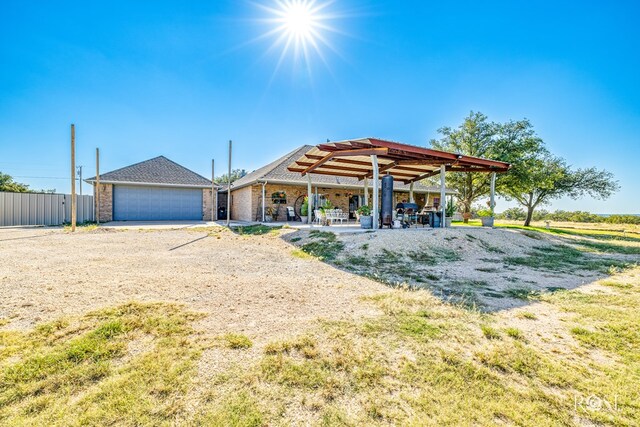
(449, 211)
(304, 211)
(268, 214)
(486, 216)
(366, 220)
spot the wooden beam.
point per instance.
(387, 167)
(332, 166)
(421, 177)
(318, 163)
(329, 173)
(345, 153)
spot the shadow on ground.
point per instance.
(485, 269)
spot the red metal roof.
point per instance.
(406, 163)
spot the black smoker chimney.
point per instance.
(387, 200)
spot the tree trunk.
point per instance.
(527, 221)
(467, 210)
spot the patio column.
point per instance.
(492, 202)
(376, 185)
(366, 191)
(443, 201)
(411, 199)
(309, 201)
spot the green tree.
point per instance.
(512, 142)
(539, 179)
(8, 184)
(235, 175)
(474, 137)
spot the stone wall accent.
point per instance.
(207, 204)
(106, 202)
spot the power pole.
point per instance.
(229, 188)
(97, 193)
(73, 178)
(214, 206)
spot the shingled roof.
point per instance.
(276, 172)
(159, 171)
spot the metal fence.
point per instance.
(42, 209)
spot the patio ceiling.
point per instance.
(406, 163)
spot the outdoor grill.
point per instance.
(406, 213)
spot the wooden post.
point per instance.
(214, 207)
(229, 188)
(309, 201)
(411, 199)
(97, 195)
(73, 178)
(492, 203)
(443, 201)
(376, 185)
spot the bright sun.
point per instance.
(299, 28)
(298, 19)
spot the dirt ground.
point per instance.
(245, 284)
(461, 264)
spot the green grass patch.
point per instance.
(522, 293)
(563, 258)
(82, 372)
(255, 230)
(236, 341)
(527, 315)
(490, 332)
(325, 245)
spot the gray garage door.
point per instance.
(141, 203)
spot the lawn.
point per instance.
(562, 357)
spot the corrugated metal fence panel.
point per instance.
(42, 209)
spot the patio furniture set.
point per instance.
(330, 216)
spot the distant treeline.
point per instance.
(519, 214)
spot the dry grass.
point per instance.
(412, 359)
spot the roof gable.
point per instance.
(158, 170)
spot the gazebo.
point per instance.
(368, 158)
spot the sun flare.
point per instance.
(298, 19)
(300, 29)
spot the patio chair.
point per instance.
(318, 216)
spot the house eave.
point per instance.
(150, 184)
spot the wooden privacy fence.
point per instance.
(42, 209)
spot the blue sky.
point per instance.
(140, 79)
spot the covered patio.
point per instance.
(370, 158)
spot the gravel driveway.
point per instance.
(248, 284)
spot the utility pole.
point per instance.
(229, 188)
(73, 178)
(97, 194)
(214, 206)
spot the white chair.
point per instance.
(318, 216)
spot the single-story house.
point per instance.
(283, 188)
(154, 190)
